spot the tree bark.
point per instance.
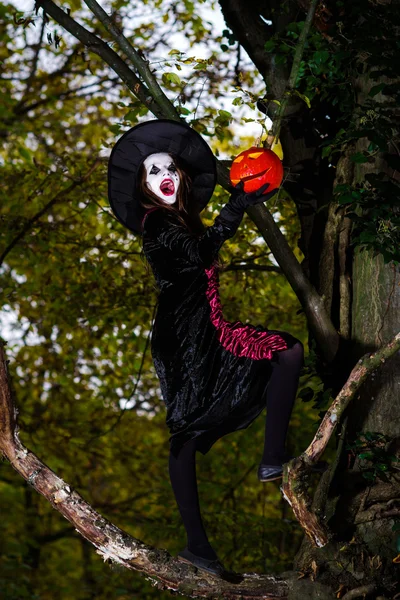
(362, 501)
(295, 480)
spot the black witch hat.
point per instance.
(173, 137)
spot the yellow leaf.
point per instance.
(396, 559)
(277, 148)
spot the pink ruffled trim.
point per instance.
(239, 339)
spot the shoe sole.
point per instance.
(271, 479)
(316, 469)
(188, 562)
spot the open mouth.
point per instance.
(167, 187)
(255, 175)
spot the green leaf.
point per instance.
(184, 111)
(345, 199)
(320, 57)
(342, 187)
(131, 116)
(306, 394)
(359, 157)
(326, 151)
(376, 89)
(303, 97)
(115, 128)
(366, 455)
(171, 77)
(24, 153)
(269, 46)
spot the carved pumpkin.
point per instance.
(255, 167)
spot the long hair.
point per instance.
(183, 208)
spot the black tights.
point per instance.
(280, 396)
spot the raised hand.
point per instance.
(240, 200)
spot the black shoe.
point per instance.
(211, 566)
(272, 472)
(269, 472)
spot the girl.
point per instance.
(216, 377)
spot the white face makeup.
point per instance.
(162, 177)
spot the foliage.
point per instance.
(329, 67)
(371, 449)
(373, 208)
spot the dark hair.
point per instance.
(182, 208)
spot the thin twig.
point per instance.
(291, 84)
(251, 267)
(139, 375)
(35, 59)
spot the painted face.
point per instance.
(162, 177)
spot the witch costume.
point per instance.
(216, 376)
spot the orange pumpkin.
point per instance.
(255, 167)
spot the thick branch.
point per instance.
(295, 482)
(318, 318)
(359, 374)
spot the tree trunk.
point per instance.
(363, 501)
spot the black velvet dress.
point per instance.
(213, 374)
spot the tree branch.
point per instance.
(112, 543)
(360, 592)
(35, 60)
(250, 267)
(291, 84)
(139, 63)
(359, 374)
(318, 318)
(96, 45)
(295, 481)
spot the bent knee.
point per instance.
(295, 353)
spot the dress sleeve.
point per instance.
(165, 229)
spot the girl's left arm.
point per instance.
(161, 227)
(169, 232)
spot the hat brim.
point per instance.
(160, 135)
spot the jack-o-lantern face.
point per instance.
(255, 167)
